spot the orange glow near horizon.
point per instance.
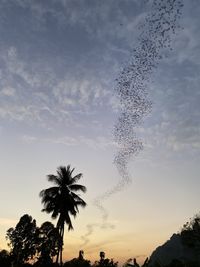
(133, 238)
(114, 245)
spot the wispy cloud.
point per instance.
(41, 82)
(48, 78)
(32, 94)
(174, 123)
(98, 142)
(7, 91)
(80, 93)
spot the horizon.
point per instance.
(58, 106)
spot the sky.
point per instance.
(59, 61)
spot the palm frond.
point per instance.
(70, 171)
(68, 168)
(76, 197)
(76, 178)
(53, 178)
(49, 193)
(77, 187)
(81, 203)
(41, 193)
(61, 171)
(68, 222)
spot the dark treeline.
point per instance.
(31, 245)
(42, 246)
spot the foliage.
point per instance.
(27, 241)
(62, 201)
(105, 262)
(5, 259)
(22, 239)
(190, 233)
(190, 236)
(48, 243)
(77, 263)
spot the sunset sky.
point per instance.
(59, 60)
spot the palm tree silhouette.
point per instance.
(62, 201)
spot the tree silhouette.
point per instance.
(22, 239)
(78, 262)
(48, 245)
(190, 235)
(5, 259)
(62, 201)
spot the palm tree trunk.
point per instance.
(59, 227)
(57, 256)
(61, 248)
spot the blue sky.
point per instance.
(58, 65)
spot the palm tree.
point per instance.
(62, 201)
